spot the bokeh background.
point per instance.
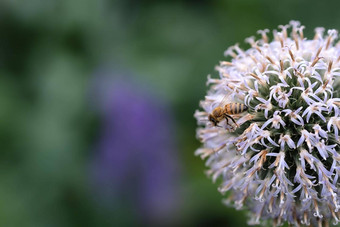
(97, 100)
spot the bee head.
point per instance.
(213, 120)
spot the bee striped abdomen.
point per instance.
(235, 108)
(241, 107)
(232, 108)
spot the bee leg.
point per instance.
(227, 121)
(232, 127)
(228, 116)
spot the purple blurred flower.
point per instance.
(135, 162)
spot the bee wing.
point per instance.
(224, 101)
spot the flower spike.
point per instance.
(274, 139)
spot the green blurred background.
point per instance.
(52, 55)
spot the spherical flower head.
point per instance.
(270, 127)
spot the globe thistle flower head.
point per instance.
(280, 158)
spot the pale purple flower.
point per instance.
(308, 138)
(294, 116)
(265, 134)
(315, 108)
(319, 132)
(276, 121)
(335, 122)
(286, 139)
(282, 159)
(333, 105)
(307, 93)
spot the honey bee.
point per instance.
(224, 112)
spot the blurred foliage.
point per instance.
(49, 53)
